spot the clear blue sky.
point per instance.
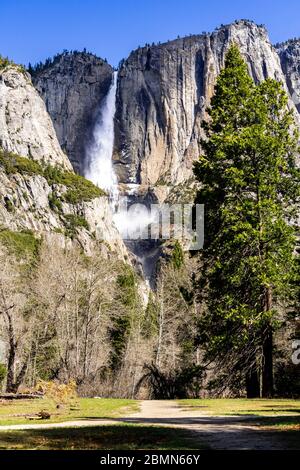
(32, 30)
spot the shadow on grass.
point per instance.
(253, 412)
(116, 437)
(231, 432)
(278, 421)
(236, 432)
(277, 409)
(248, 419)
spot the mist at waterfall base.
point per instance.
(100, 169)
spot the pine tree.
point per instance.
(249, 188)
(177, 255)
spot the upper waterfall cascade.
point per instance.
(99, 168)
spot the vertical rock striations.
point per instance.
(52, 203)
(73, 86)
(289, 54)
(163, 93)
(25, 126)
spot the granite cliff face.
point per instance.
(73, 87)
(289, 54)
(25, 126)
(163, 93)
(27, 204)
(34, 197)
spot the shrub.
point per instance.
(54, 202)
(9, 206)
(53, 174)
(59, 393)
(3, 373)
(21, 244)
(185, 382)
(73, 222)
(126, 281)
(58, 230)
(287, 380)
(121, 326)
(25, 165)
(78, 188)
(118, 336)
(4, 62)
(177, 255)
(13, 163)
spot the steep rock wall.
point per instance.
(163, 93)
(289, 54)
(25, 126)
(28, 200)
(73, 87)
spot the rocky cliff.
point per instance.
(289, 54)
(38, 189)
(163, 93)
(73, 87)
(25, 126)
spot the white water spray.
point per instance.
(99, 167)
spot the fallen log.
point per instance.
(40, 415)
(20, 396)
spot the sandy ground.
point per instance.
(216, 432)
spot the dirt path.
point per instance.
(65, 424)
(216, 432)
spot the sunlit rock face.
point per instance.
(29, 197)
(25, 199)
(289, 54)
(25, 126)
(163, 94)
(73, 88)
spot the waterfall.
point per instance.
(99, 168)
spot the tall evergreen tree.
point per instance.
(249, 188)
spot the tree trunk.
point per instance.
(160, 328)
(252, 383)
(267, 361)
(267, 366)
(11, 356)
(20, 376)
(10, 372)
